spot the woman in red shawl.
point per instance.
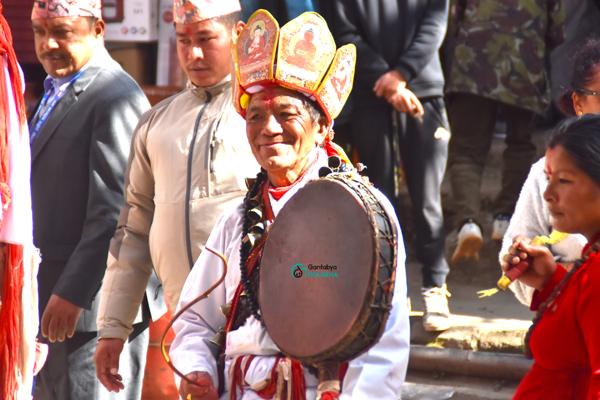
(565, 335)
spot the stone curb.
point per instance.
(474, 333)
(469, 363)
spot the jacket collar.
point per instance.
(100, 60)
(207, 92)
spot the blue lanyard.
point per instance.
(47, 104)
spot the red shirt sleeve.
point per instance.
(588, 304)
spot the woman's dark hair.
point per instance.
(580, 137)
(585, 64)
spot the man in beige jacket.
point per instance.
(188, 162)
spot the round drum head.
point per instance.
(316, 269)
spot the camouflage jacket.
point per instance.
(501, 49)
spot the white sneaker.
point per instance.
(500, 226)
(469, 243)
(437, 315)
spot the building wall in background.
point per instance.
(18, 15)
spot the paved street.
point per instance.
(433, 386)
(496, 323)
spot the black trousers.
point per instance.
(423, 144)
(70, 372)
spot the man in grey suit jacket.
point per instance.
(80, 137)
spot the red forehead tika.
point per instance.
(184, 29)
(268, 96)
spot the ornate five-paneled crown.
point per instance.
(300, 56)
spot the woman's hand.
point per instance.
(540, 259)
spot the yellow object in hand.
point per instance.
(507, 278)
(553, 238)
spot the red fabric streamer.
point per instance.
(253, 258)
(333, 149)
(298, 383)
(237, 380)
(271, 389)
(6, 49)
(10, 320)
(269, 392)
(330, 396)
(10, 311)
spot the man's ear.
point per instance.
(99, 28)
(323, 130)
(237, 29)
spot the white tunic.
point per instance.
(532, 218)
(376, 374)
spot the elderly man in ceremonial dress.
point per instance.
(289, 112)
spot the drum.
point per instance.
(327, 272)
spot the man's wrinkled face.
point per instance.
(282, 133)
(63, 45)
(204, 51)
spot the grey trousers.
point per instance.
(472, 119)
(423, 145)
(70, 373)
